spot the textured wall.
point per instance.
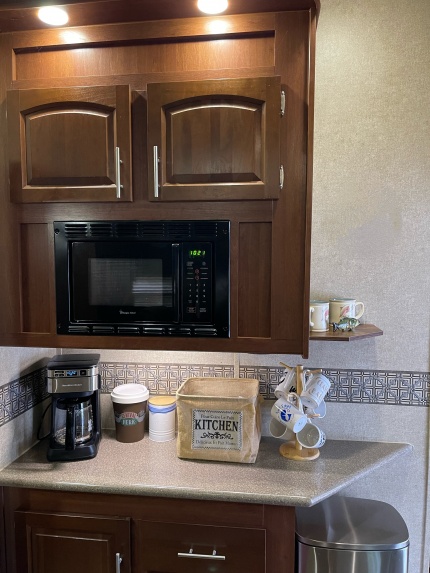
(371, 215)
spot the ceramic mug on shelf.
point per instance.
(343, 308)
(319, 315)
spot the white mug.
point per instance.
(278, 430)
(315, 389)
(319, 313)
(318, 412)
(288, 413)
(287, 384)
(311, 436)
(344, 307)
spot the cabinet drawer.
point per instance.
(167, 546)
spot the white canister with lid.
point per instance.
(162, 418)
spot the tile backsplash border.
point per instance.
(348, 385)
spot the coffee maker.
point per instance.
(74, 382)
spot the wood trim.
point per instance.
(21, 15)
(3, 544)
(280, 548)
(289, 231)
(155, 509)
(309, 180)
(176, 29)
(139, 82)
(10, 317)
(362, 331)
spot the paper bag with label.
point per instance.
(219, 419)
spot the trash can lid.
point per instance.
(351, 523)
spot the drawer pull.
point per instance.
(118, 561)
(192, 555)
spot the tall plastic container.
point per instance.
(346, 534)
(162, 418)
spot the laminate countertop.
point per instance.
(153, 469)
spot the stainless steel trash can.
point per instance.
(346, 534)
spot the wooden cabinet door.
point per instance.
(70, 144)
(53, 543)
(214, 140)
(184, 548)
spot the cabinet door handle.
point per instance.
(192, 555)
(156, 161)
(118, 561)
(118, 163)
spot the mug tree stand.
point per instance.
(293, 450)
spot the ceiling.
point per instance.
(21, 15)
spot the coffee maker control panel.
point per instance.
(73, 373)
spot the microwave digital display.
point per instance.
(193, 253)
(145, 278)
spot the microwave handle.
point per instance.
(176, 268)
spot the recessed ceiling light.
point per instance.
(53, 16)
(212, 6)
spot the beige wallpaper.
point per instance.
(371, 202)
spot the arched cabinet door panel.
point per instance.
(71, 144)
(214, 140)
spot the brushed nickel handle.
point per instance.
(118, 163)
(156, 162)
(281, 177)
(192, 555)
(118, 561)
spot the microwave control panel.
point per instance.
(197, 282)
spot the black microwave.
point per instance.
(143, 278)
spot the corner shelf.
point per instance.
(362, 331)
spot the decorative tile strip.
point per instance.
(158, 378)
(348, 385)
(379, 387)
(22, 394)
(357, 386)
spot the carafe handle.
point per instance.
(70, 427)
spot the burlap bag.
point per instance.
(219, 419)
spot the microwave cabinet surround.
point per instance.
(143, 278)
(238, 77)
(70, 144)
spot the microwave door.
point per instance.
(124, 283)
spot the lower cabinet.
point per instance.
(53, 531)
(53, 542)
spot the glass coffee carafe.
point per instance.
(73, 422)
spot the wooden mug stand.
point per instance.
(293, 450)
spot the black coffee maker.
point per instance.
(74, 382)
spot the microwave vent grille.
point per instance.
(101, 229)
(147, 229)
(75, 230)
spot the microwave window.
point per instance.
(128, 282)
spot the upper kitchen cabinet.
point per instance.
(70, 144)
(214, 140)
